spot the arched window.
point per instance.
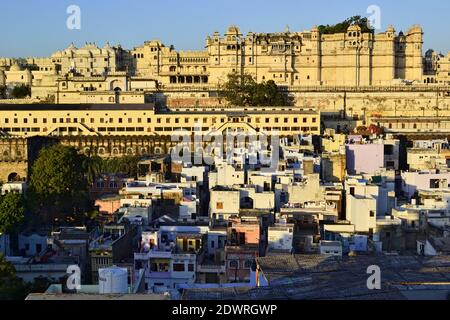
(12, 177)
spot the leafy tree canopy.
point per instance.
(7, 270)
(243, 90)
(20, 92)
(2, 92)
(13, 288)
(57, 182)
(344, 25)
(95, 166)
(12, 211)
(57, 171)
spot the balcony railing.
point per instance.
(211, 268)
(142, 256)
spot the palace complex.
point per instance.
(91, 74)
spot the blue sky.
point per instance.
(38, 28)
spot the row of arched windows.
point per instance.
(129, 151)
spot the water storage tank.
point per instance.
(113, 280)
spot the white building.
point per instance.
(280, 237)
(384, 196)
(251, 198)
(137, 215)
(223, 203)
(226, 175)
(33, 244)
(14, 187)
(424, 180)
(191, 173)
(361, 212)
(331, 248)
(433, 247)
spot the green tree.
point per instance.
(58, 185)
(96, 166)
(7, 270)
(92, 167)
(342, 27)
(22, 91)
(268, 94)
(11, 288)
(238, 89)
(12, 212)
(2, 92)
(243, 90)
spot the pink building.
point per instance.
(108, 204)
(243, 232)
(364, 158)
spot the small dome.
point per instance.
(354, 27)
(390, 29)
(234, 30)
(15, 67)
(415, 29)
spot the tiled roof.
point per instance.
(317, 277)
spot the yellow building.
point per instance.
(443, 70)
(289, 58)
(343, 72)
(114, 87)
(16, 75)
(141, 119)
(308, 58)
(90, 60)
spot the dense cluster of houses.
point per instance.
(181, 226)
